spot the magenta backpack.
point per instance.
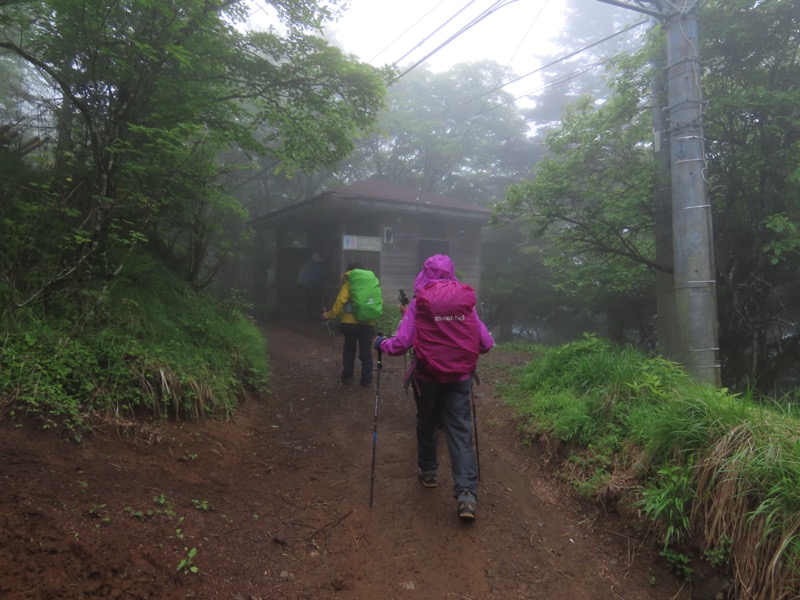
(447, 341)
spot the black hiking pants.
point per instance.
(448, 404)
(357, 340)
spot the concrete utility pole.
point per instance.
(697, 337)
(667, 321)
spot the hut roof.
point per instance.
(370, 197)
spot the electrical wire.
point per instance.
(489, 11)
(527, 33)
(434, 32)
(497, 5)
(417, 22)
(546, 86)
(508, 64)
(576, 52)
(537, 70)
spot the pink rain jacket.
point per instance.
(438, 266)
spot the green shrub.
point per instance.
(152, 347)
(390, 319)
(707, 466)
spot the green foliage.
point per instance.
(187, 563)
(587, 218)
(454, 133)
(389, 320)
(203, 505)
(667, 499)
(156, 348)
(519, 298)
(100, 512)
(707, 466)
(166, 505)
(719, 555)
(140, 515)
(590, 197)
(679, 563)
(752, 128)
(110, 231)
(150, 101)
(524, 347)
(687, 419)
(589, 205)
(786, 242)
(46, 373)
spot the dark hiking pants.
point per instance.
(357, 339)
(448, 404)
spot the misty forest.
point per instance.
(139, 139)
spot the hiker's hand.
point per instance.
(378, 340)
(324, 315)
(403, 309)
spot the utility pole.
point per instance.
(666, 322)
(697, 336)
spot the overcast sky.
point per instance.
(380, 32)
(388, 31)
(514, 33)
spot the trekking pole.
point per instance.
(475, 428)
(333, 352)
(375, 424)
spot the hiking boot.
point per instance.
(428, 478)
(366, 384)
(346, 380)
(467, 506)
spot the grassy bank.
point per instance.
(718, 474)
(147, 347)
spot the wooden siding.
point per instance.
(401, 260)
(418, 229)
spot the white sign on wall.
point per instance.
(361, 242)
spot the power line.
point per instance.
(550, 64)
(546, 86)
(508, 64)
(572, 54)
(417, 22)
(435, 31)
(491, 10)
(527, 33)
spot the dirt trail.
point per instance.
(275, 504)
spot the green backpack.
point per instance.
(366, 298)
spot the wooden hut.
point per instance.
(389, 228)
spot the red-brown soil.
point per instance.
(275, 504)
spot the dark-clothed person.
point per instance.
(312, 279)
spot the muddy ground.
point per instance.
(275, 503)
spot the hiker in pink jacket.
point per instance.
(443, 327)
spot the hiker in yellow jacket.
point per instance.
(358, 335)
